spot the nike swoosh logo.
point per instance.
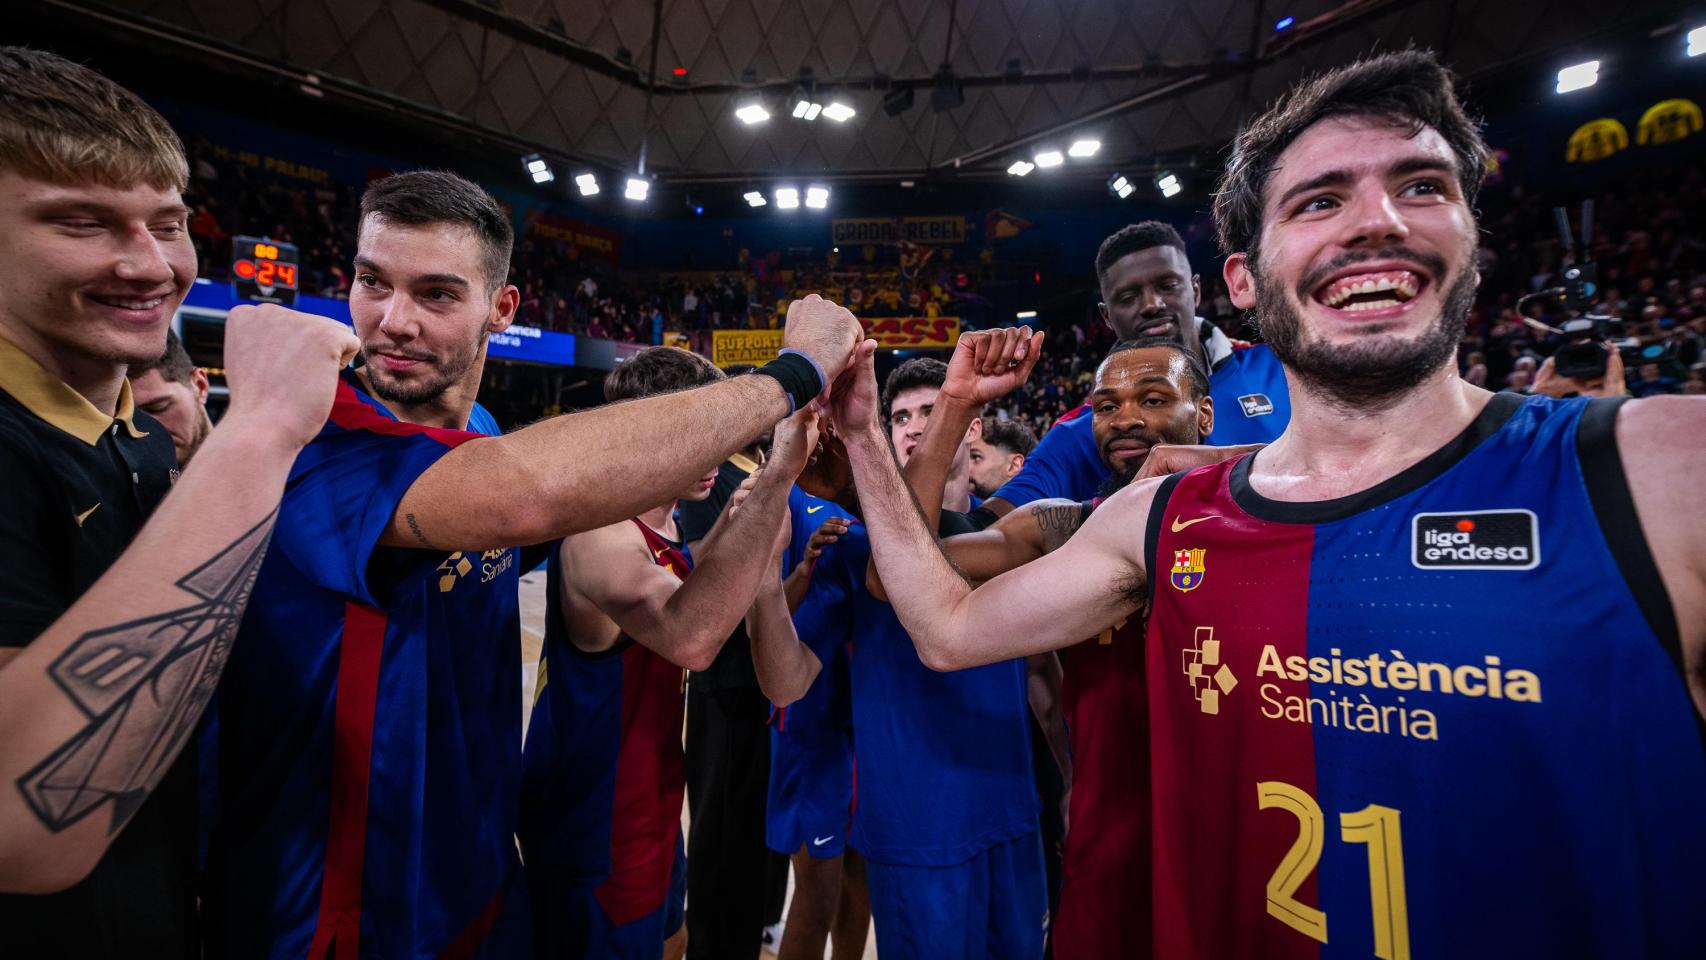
(814, 509)
(819, 843)
(659, 552)
(85, 514)
(1180, 525)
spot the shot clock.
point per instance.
(264, 270)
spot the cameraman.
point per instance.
(1547, 381)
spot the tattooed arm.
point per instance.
(1023, 535)
(96, 708)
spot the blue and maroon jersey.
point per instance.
(368, 725)
(1104, 893)
(810, 796)
(604, 772)
(1444, 717)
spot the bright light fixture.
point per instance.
(588, 184)
(1166, 180)
(1020, 168)
(537, 168)
(754, 198)
(1120, 186)
(638, 187)
(1083, 148)
(1049, 158)
(1697, 41)
(1026, 315)
(839, 112)
(752, 113)
(787, 198)
(1578, 77)
(807, 110)
(817, 197)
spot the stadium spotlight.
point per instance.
(1697, 41)
(1049, 158)
(839, 112)
(1168, 184)
(1083, 148)
(1025, 315)
(752, 113)
(754, 198)
(1578, 77)
(817, 197)
(588, 184)
(638, 187)
(787, 198)
(1021, 167)
(1119, 186)
(537, 168)
(805, 109)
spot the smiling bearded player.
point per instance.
(1420, 671)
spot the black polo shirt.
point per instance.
(78, 485)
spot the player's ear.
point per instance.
(1240, 282)
(505, 302)
(1196, 288)
(198, 383)
(1102, 308)
(1205, 416)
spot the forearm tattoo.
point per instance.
(1058, 524)
(143, 685)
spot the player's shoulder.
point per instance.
(1662, 427)
(614, 544)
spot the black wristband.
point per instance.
(797, 375)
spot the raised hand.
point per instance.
(794, 440)
(989, 364)
(854, 400)
(824, 331)
(283, 367)
(827, 533)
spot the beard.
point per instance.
(203, 427)
(441, 376)
(1377, 370)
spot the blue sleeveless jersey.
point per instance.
(810, 795)
(944, 759)
(1444, 717)
(1251, 405)
(366, 754)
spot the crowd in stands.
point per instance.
(1649, 243)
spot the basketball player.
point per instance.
(1149, 289)
(603, 774)
(997, 453)
(1147, 392)
(369, 727)
(118, 599)
(946, 815)
(173, 391)
(1420, 671)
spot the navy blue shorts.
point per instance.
(810, 799)
(993, 906)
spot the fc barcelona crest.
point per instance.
(1188, 568)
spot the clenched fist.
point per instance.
(283, 368)
(824, 331)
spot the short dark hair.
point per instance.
(174, 365)
(422, 197)
(1409, 88)
(1010, 435)
(1133, 237)
(656, 370)
(1193, 359)
(917, 372)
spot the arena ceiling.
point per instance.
(1154, 80)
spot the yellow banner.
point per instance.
(730, 347)
(896, 229)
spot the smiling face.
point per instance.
(1151, 292)
(91, 274)
(1143, 397)
(422, 309)
(1363, 272)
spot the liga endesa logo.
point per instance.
(1475, 540)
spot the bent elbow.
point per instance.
(938, 658)
(698, 652)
